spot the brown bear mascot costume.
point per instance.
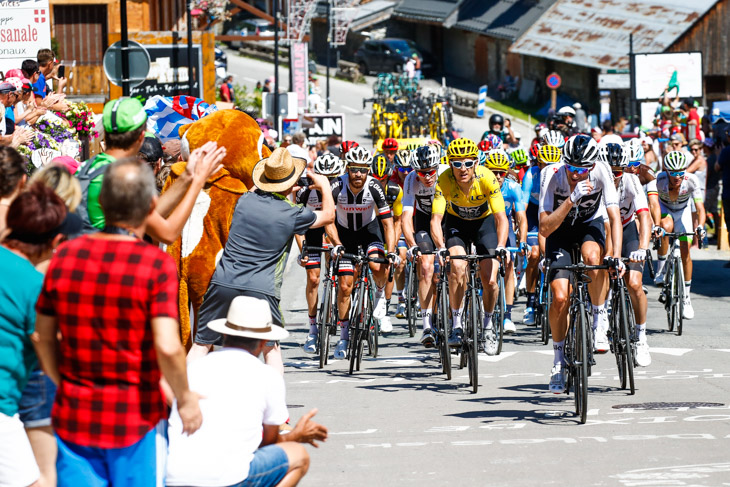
(206, 231)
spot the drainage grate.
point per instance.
(294, 406)
(654, 406)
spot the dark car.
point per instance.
(388, 55)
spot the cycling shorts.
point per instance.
(533, 217)
(559, 244)
(370, 238)
(682, 219)
(422, 230)
(314, 238)
(462, 233)
(630, 243)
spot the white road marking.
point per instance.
(677, 352)
(250, 80)
(349, 109)
(495, 358)
(366, 432)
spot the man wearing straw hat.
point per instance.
(253, 260)
(243, 404)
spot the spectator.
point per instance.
(151, 152)
(12, 180)
(68, 162)
(297, 147)
(677, 142)
(712, 192)
(286, 141)
(698, 166)
(650, 157)
(30, 70)
(263, 226)
(507, 86)
(609, 136)
(723, 165)
(120, 332)
(581, 118)
(26, 111)
(410, 68)
(244, 401)
(171, 155)
(57, 177)
(267, 86)
(258, 89)
(48, 67)
(6, 126)
(416, 66)
(596, 133)
(694, 125)
(39, 220)
(226, 90)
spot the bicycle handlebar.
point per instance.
(478, 257)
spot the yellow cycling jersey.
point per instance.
(484, 198)
(394, 197)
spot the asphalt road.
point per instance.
(400, 422)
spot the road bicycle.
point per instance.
(473, 334)
(672, 293)
(363, 327)
(327, 312)
(579, 340)
(622, 332)
(410, 296)
(441, 318)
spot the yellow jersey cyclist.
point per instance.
(469, 204)
(381, 170)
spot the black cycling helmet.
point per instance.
(614, 155)
(381, 167)
(496, 118)
(427, 157)
(581, 151)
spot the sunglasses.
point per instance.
(356, 170)
(676, 174)
(405, 169)
(695, 149)
(499, 173)
(426, 174)
(577, 170)
(617, 173)
(465, 164)
(634, 163)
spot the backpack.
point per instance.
(84, 176)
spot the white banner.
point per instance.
(300, 73)
(614, 81)
(655, 72)
(25, 27)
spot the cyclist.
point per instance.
(633, 207)
(419, 189)
(520, 159)
(381, 171)
(574, 198)
(500, 128)
(402, 169)
(554, 137)
(402, 162)
(498, 162)
(546, 154)
(469, 198)
(390, 148)
(359, 203)
(676, 188)
(347, 146)
(330, 166)
(635, 154)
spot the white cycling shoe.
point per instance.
(557, 379)
(386, 326)
(341, 349)
(381, 308)
(600, 340)
(401, 311)
(509, 326)
(643, 358)
(688, 311)
(310, 346)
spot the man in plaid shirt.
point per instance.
(113, 298)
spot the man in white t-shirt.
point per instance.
(243, 404)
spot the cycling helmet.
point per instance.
(485, 145)
(634, 150)
(549, 154)
(328, 165)
(444, 156)
(381, 167)
(496, 118)
(482, 159)
(462, 147)
(534, 148)
(426, 157)
(676, 161)
(390, 144)
(434, 142)
(519, 157)
(403, 158)
(347, 146)
(495, 141)
(498, 160)
(413, 146)
(614, 155)
(358, 156)
(580, 150)
(553, 137)
(539, 127)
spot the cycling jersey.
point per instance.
(394, 197)
(631, 198)
(417, 195)
(688, 187)
(355, 211)
(311, 199)
(531, 186)
(555, 189)
(484, 197)
(513, 197)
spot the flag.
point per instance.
(673, 83)
(165, 115)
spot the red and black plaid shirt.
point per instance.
(104, 294)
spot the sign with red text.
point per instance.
(25, 27)
(300, 73)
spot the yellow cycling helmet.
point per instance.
(497, 160)
(461, 148)
(381, 167)
(549, 154)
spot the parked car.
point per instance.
(388, 55)
(251, 27)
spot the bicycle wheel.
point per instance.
(471, 339)
(630, 332)
(325, 310)
(443, 331)
(580, 377)
(372, 327)
(356, 326)
(618, 316)
(627, 357)
(500, 310)
(670, 295)
(410, 300)
(680, 296)
(544, 309)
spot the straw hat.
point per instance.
(278, 172)
(251, 318)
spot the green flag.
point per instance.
(673, 83)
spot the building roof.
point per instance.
(505, 19)
(427, 10)
(371, 13)
(595, 33)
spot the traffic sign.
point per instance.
(139, 63)
(553, 81)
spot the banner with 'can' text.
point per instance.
(25, 27)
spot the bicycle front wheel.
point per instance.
(471, 340)
(680, 296)
(325, 311)
(500, 309)
(411, 290)
(443, 331)
(372, 327)
(618, 316)
(627, 339)
(580, 377)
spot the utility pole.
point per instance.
(632, 67)
(125, 47)
(329, 44)
(276, 66)
(190, 48)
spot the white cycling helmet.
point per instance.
(358, 156)
(613, 154)
(676, 161)
(426, 157)
(634, 150)
(566, 110)
(554, 137)
(328, 165)
(581, 151)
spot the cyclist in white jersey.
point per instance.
(419, 189)
(634, 208)
(574, 197)
(359, 203)
(677, 189)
